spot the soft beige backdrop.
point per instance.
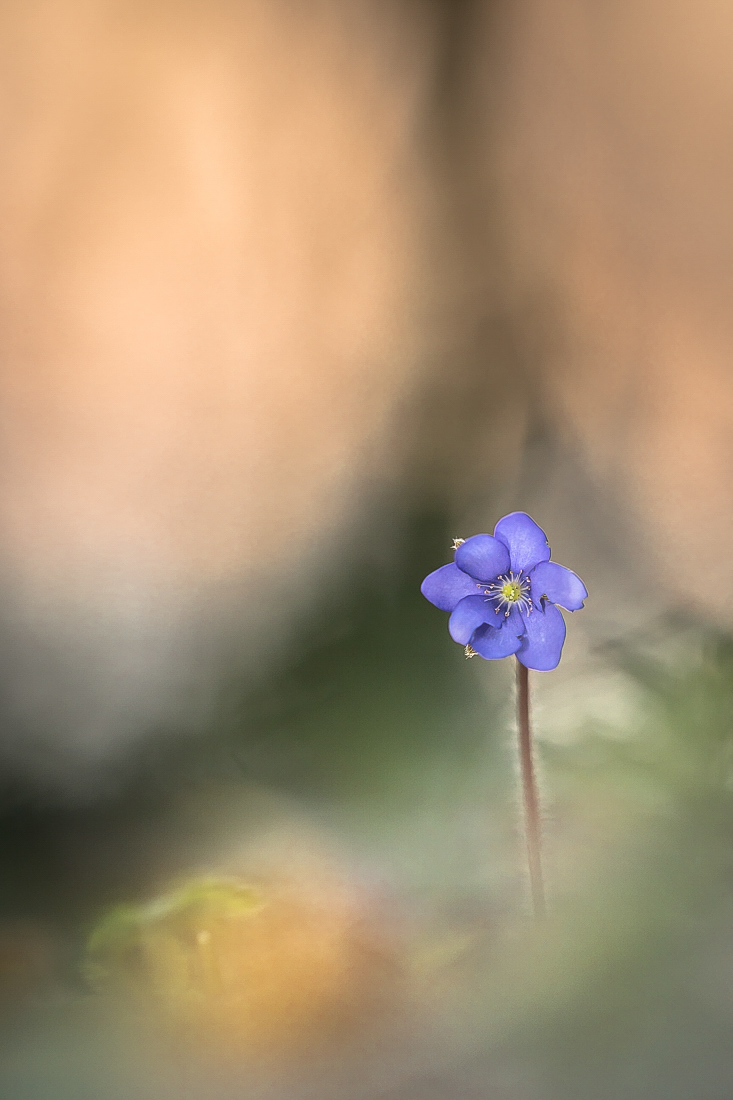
(265, 265)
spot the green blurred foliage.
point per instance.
(376, 729)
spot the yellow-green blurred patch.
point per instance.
(220, 963)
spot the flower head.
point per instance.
(502, 591)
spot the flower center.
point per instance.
(509, 591)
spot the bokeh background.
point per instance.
(291, 295)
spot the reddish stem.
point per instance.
(529, 791)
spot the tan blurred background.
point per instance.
(265, 265)
(216, 288)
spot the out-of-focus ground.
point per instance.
(290, 296)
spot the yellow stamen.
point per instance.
(511, 591)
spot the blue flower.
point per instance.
(502, 591)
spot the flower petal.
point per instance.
(483, 557)
(559, 584)
(511, 621)
(468, 616)
(526, 542)
(543, 641)
(447, 586)
(492, 644)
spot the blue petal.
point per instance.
(542, 643)
(483, 557)
(447, 586)
(559, 584)
(492, 644)
(468, 616)
(513, 620)
(527, 543)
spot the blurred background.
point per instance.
(291, 295)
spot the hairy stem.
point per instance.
(529, 792)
